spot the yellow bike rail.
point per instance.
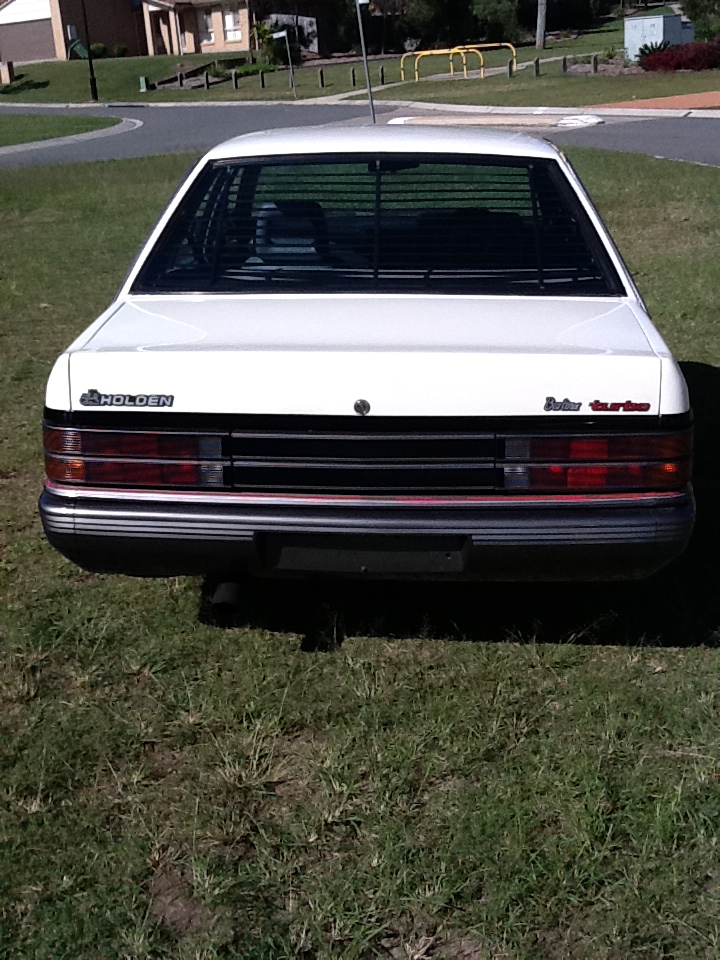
(444, 53)
(418, 56)
(403, 58)
(462, 51)
(475, 48)
(493, 46)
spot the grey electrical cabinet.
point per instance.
(641, 30)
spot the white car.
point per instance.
(391, 351)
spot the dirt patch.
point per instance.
(439, 946)
(172, 903)
(234, 851)
(610, 68)
(469, 948)
(163, 762)
(298, 759)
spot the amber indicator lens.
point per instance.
(64, 469)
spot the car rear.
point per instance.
(359, 354)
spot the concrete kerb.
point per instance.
(334, 100)
(126, 125)
(344, 99)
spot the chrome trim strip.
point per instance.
(211, 497)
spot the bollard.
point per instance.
(594, 62)
(180, 80)
(381, 74)
(564, 65)
(262, 79)
(536, 66)
(511, 72)
(353, 81)
(234, 78)
(321, 77)
(207, 80)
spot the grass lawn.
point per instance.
(507, 773)
(553, 89)
(25, 129)
(118, 79)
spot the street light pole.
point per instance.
(278, 36)
(364, 56)
(91, 68)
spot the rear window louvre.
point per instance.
(392, 223)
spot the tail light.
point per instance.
(582, 464)
(138, 459)
(577, 464)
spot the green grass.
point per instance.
(118, 79)
(520, 772)
(553, 89)
(25, 129)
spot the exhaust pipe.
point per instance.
(225, 600)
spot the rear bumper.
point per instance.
(524, 538)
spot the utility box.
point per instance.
(642, 30)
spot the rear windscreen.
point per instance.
(390, 223)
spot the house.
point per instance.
(45, 29)
(26, 31)
(196, 26)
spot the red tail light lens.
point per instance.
(141, 459)
(606, 464)
(613, 448)
(607, 477)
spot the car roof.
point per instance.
(383, 138)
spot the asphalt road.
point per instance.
(695, 141)
(196, 128)
(175, 129)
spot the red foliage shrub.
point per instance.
(688, 56)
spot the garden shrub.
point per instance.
(119, 50)
(98, 50)
(687, 56)
(649, 48)
(251, 69)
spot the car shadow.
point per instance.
(679, 606)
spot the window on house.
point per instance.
(205, 26)
(231, 17)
